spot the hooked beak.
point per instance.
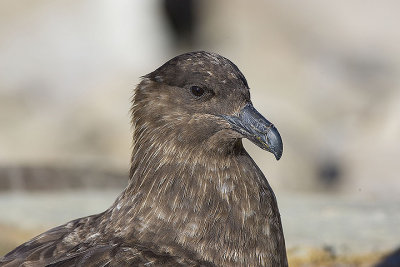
(253, 126)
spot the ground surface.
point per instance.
(320, 229)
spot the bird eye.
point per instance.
(197, 91)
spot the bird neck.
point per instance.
(203, 201)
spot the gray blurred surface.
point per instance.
(346, 224)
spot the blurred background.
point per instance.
(326, 73)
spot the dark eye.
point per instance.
(197, 91)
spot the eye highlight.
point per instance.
(197, 91)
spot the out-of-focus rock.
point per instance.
(51, 178)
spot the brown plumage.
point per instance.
(195, 197)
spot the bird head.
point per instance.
(202, 99)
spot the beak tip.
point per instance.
(278, 154)
(275, 142)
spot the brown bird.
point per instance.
(195, 197)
